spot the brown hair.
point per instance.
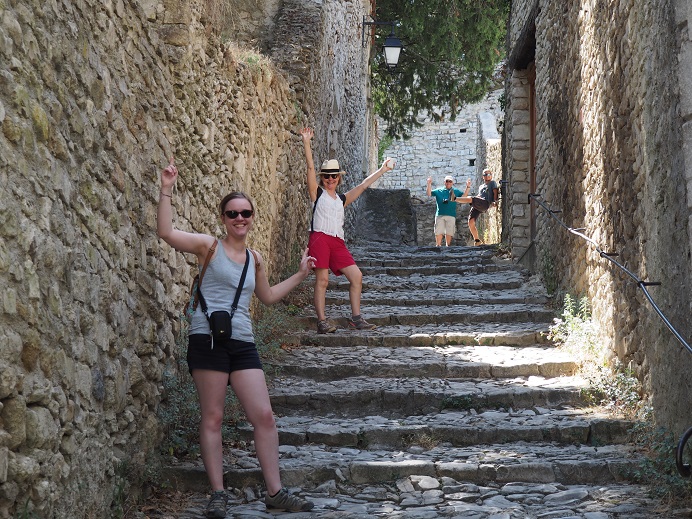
(233, 196)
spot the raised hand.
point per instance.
(307, 134)
(170, 174)
(388, 164)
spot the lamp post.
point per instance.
(392, 45)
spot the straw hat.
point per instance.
(331, 166)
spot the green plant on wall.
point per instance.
(657, 469)
(384, 144)
(611, 385)
(548, 272)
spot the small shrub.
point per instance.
(657, 469)
(613, 386)
(179, 411)
(457, 402)
(424, 440)
(548, 272)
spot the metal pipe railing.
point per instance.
(683, 468)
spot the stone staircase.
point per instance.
(456, 406)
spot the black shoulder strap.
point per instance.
(314, 206)
(234, 306)
(319, 193)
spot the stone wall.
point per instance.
(609, 155)
(462, 148)
(94, 97)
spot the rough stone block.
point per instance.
(374, 471)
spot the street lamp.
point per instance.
(392, 45)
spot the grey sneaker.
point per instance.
(358, 323)
(216, 508)
(325, 327)
(285, 501)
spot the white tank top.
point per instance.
(329, 215)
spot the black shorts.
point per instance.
(227, 356)
(478, 206)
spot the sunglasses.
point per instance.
(486, 174)
(329, 175)
(245, 213)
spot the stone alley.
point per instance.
(456, 406)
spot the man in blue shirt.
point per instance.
(446, 214)
(487, 197)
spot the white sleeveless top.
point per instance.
(329, 215)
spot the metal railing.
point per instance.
(683, 468)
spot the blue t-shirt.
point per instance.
(448, 208)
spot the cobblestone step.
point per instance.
(443, 297)
(435, 361)
(396, 397)
(311, 465)
(472, 281)
(422, 315)
(425, 497)
(564, 425)
(490, 333)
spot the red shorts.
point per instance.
(329, 252)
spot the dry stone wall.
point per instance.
(461, 148)
(94, 97)
(609, 155)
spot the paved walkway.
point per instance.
(455, 407)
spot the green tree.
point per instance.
(451, 52)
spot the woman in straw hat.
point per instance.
(326, 243)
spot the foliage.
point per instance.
(613, 386)
(616, 389)
(427, 441)
(384, 144)
(450, 56)
(657, 469)
(179, 411)
(548, 272)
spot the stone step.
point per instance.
(487, 334)
(472, 281)
(309, 466)
(421, 315)
(442, 297)
(478, 362)
(386, 256)
(564, 425)
(396, 397)
(426, 497)
(462, 268)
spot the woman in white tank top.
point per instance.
(216, 364)
(326, 243)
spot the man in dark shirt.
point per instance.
(487, 197)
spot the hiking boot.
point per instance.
(358, 323)
(325, 327)
(285, 501)
(216, 508)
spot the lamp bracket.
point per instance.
(374, 22)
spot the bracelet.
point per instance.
(164, 194)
